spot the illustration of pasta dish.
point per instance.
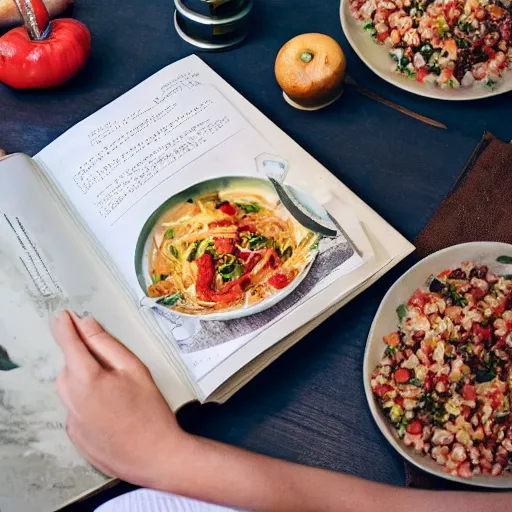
(226, 250)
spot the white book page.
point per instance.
(45, 266)
(173, 131)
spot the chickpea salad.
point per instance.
(445, 381)
(447, 43)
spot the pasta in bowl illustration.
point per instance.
(223, 249)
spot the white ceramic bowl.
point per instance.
(385, 321)
(377, 58)
(260, 185)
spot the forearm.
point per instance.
(219, 473)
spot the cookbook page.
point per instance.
(46, 266)
(224, 263)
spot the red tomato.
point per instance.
(495, 400)
(399, 400)
(483, 333)
(227, 208)
(224, 245)
(421, 74)
(498, 310)
(469, 392)
(466, 412)
(402, 376)
(382, 390)
(382, 37)
(28, 64)
(429, 382)
(278, 281)
(444, 273)
(417, 300)
(490, 52)
(414, 428)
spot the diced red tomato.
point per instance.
(466, 412)
(247, 227)
(443, 382)
(382, 37)
(495, 400)
(469, 392)
(393, 339)
(415, 427)
(417, 300)
(399, 399)
(482, 333)
(444, 273)
(227, 208)
(429, 382)
(421, 74)
(278, 281)
(402, 376)
(489, 51)
(382, 390)
(500, 308)
(224, 245)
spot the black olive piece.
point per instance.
(458, 273)
(436, 286)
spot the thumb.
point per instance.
(109, 352)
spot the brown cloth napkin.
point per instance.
(479, 207)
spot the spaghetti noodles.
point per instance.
(226, 250)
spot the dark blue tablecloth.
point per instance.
(309, 406)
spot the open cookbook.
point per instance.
(194, 230)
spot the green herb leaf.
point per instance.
(507, 260)
(169, 233)
(249, 208)
(369, 26)
(314, 245)
(287, 253)
(155, 278)
(401, 311)
(258, 242)
(174, 252)
(391, 351)
(415, 382)
(170, 300)
(5, 362)
(484, 375)
(231, 271)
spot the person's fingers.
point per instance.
(105, 348)
(77, 356)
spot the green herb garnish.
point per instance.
(249, 208)
(155, 278)
(314, 245)
(174, 252)
(391, 351)
(170, 300)
(169, 233)
(401, 311)
(507, 260)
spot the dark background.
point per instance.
(309, 406)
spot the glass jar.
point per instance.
(212, 24)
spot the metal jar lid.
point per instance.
(212, 26)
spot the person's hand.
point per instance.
(117, 419)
